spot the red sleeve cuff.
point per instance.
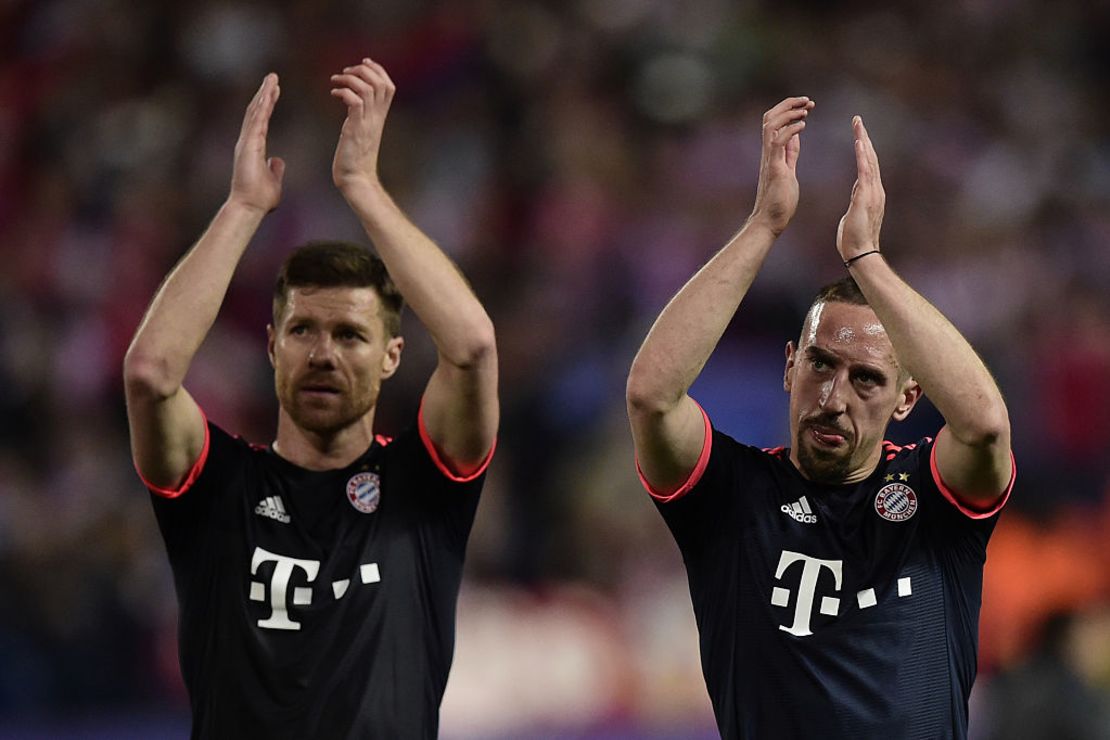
(954, 498)
(190, 479)
(438, 459)
(695, 474)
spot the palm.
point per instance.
(256, 180)
(776, 196)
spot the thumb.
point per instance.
(277, 166)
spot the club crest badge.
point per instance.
(364, 491)
(896, 502)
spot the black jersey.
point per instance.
(831, 611)
(317, 604)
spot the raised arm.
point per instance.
(973, 449)
(460, 408)
(167, 427)
(667, 425)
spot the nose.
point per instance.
(833, 398)
(322, 354)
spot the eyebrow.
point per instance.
(815, 352)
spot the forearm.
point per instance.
(687, 331)
(938, 357)
(429, 281)
(186, 304)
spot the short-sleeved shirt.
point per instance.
(317, 604)
(831, 611)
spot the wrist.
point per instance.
(758, 222)
(235, 206)
(849, 262)
(360, 187)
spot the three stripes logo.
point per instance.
(800, 511)
(273, 507)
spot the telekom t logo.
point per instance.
(279, 586)
(284, 567)
(807, 590)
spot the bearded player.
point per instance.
(317, 577)
(836, 583)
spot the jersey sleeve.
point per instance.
(705, 506)
(185, 513)
(960, 531)
(438, 459)
(953, 497)
(442, 503)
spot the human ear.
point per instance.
(271, 338)
(909, 395)
(391, 360)
(788, 371)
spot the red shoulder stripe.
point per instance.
(695, 474)
(194, 471)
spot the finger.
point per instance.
(349, 97)
(871, 156)
(356, 106)
(378, 81)
(277, 166)
(790, 130)
(256, 121)
(376, 67)
(778, 129)
(801, 101)
(359, 86)
(793, 148)
(251, 112)
(377, 71)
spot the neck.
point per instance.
(323, 450)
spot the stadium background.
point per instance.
(579, 160)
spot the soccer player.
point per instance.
(317, 578)
(836, 583)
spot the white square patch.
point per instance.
(866, 598)
(904, 586)
(830, 606)
(780, 597)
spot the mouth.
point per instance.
(319, 390)
(828, 437)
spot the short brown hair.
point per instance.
(844, 290)
(337, 264)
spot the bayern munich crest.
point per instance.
(896, 502)
(364, 491)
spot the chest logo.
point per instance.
(800, 511)
(274, 508)
(896, 502)
(364, 491)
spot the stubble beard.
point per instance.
(326, 419)
(821, 466)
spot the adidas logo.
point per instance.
(800, 511)
(272, 507)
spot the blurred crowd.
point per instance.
(579, 161)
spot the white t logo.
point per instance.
(279, 585)
(807, 589)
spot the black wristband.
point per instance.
(848, 262)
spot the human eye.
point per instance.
(298, 330)
(348, 334)
(869, 379)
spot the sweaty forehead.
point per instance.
(849, 330)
